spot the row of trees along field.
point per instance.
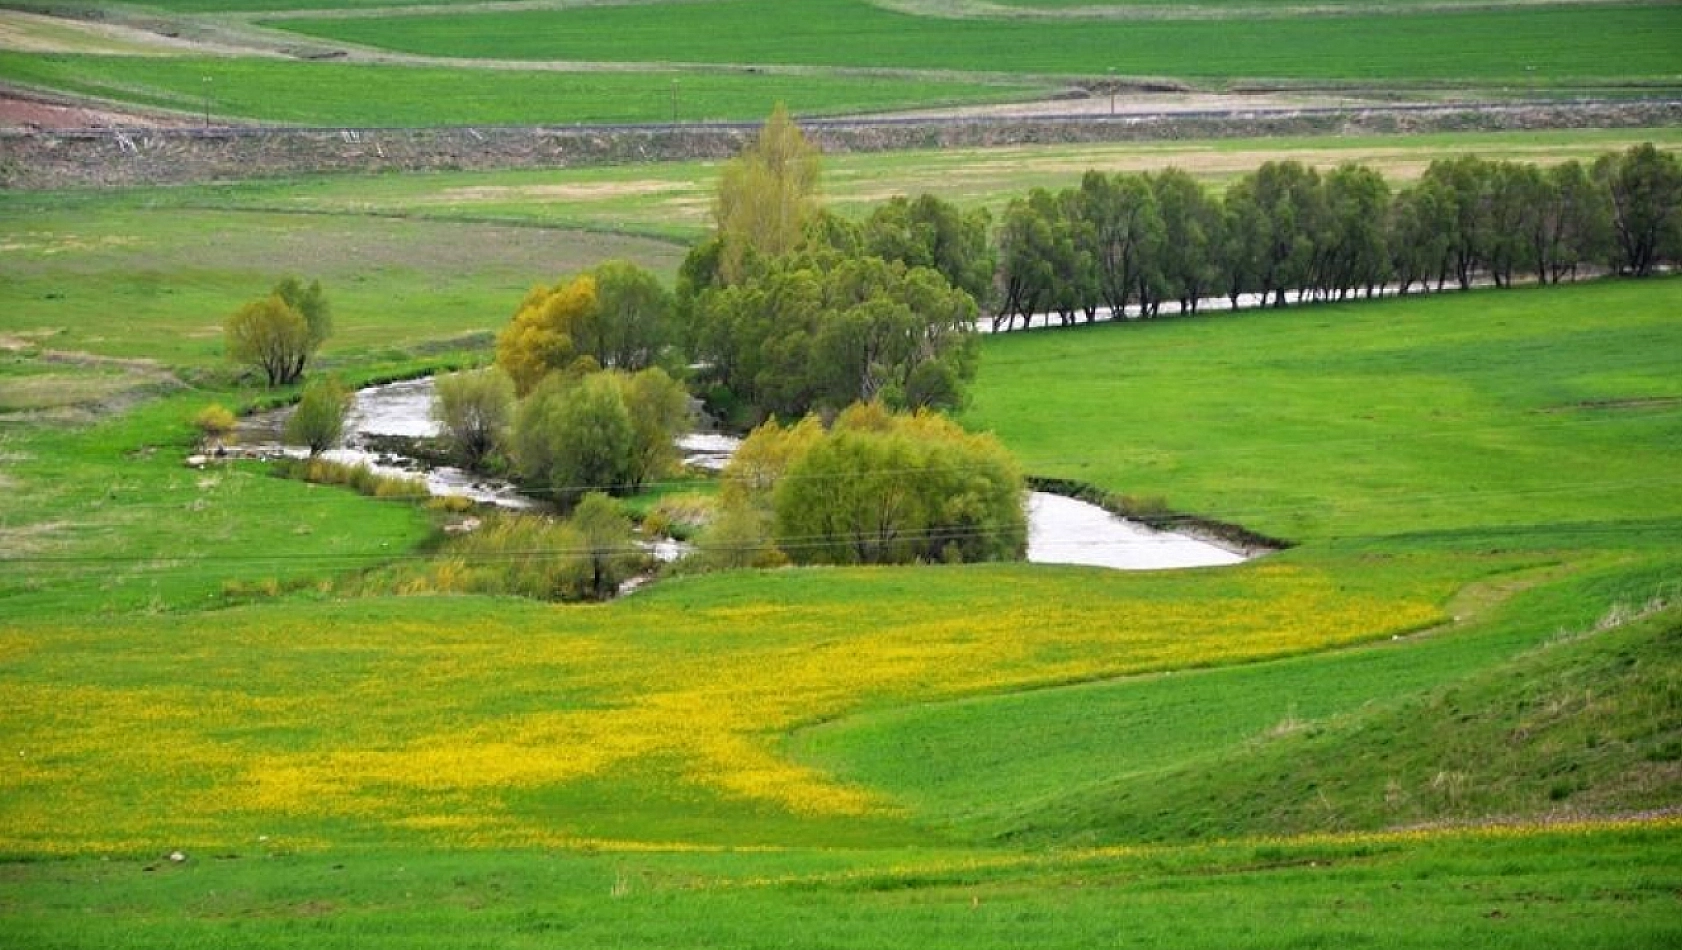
(1139, 240)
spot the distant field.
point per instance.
(1540, 45)
(338, 94)
(673, 201)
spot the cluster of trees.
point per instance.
(876, 487)
(608, 431)
(794, 309)
(1286, 231)
(278, 334)
(616, 316)
(578, 399)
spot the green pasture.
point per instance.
(1470, 627)
(374, 95)
(126, 280)
(1520, 419)
(1529, 45)
(1569, 888)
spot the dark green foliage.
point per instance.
(319, 419)
(632, 326)
(818, 330)
(929, 232)
(1645, 186)
(1287, 233)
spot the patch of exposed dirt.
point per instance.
(24, 111)
(28, 539)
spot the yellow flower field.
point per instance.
(454, 719)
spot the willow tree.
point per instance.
(270, 335)
(881, 488)
(767, 195)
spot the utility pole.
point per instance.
(674, 102)
(1112, 90)
(207, 102)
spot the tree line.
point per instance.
(1128, 243)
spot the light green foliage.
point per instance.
(475, 409)
(214, 422)
(738, 536)
(575, 435)
(659, 409)
(271, 336)
(532, 556)
(766, 195)
(280, 333)
(609, 553)
(764, 458)
(318, 421)
(312, 302)
(884, 489)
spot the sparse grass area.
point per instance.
(176, 274)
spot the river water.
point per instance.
(1061, 530)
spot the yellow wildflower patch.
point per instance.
(372, 718)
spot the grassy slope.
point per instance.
(1594, 41)
(1443, 728)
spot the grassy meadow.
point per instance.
(1447, 715)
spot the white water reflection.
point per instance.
(1064, 530)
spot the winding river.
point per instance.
(1061, 530)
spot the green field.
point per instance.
(1448, 715)
(1508, 45)
(368, 95)
(447, 63)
